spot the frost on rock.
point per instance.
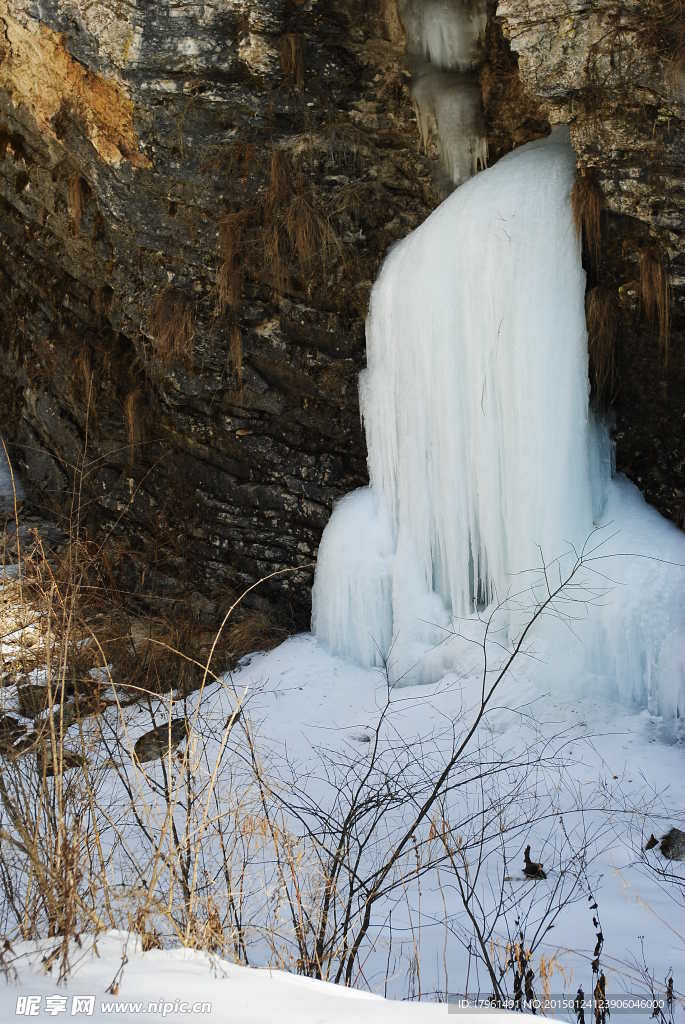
(483, 457)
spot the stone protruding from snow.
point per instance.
(157, 742)
(673, 844)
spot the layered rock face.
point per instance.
(194, 202)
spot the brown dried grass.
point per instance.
(132, 418)
(282, 235)
(75, 201)
(602, 315)
(309, 232)
(587, 202)
(230, 275)
(84, 366)
(655, 293)
(291, 50)
(172, 327)
(283, 177)
(253, 631)
(235, 353)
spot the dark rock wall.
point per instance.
(194, 201)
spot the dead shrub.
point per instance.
(282, 234)
(655, 293)
(587, 202)
(602, 316)
(310, 233)
(300, 235)
(171, 327)
(283, 177)
(253, 631)
(149, 936)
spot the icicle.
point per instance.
(445, 32)
(448, 109)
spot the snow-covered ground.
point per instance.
(597, 774)
(613, 764)
(183, 985)
(572, 771)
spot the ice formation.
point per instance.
(445, 32)
(363, 573)
(444, 36)
(483, 454)
(448, 109)
(7, 488)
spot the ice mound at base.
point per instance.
(7, 488)
(483, 456)
(356, 614)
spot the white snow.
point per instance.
(616, 771)
(615, 782)
(184, 985)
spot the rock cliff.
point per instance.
(194, 201)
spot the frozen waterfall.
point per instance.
(483, 453)
(444, 42)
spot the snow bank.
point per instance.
(183, 985)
